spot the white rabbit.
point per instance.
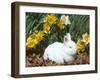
(61, 52)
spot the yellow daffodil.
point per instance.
(60, 24)
(65, 19)
(80, 44)
(46, 28)
(85, 38)
(30, 42)
(35, 41)
(39, 36)
(29, 39)
(50, 19)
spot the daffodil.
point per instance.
(30, 42)
(34, 39)
(50, 19)
(85, 38)
(60, 24)
(46, 28)
(39, 36)
(80, 46)
(65, 19)
(81, 43)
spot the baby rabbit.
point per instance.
(61, 52)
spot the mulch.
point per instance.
(36, 60)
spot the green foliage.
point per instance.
(79, 25)
(33, 22)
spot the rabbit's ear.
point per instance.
(65, 39)
(68, 36)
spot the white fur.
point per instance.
(61, 52)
